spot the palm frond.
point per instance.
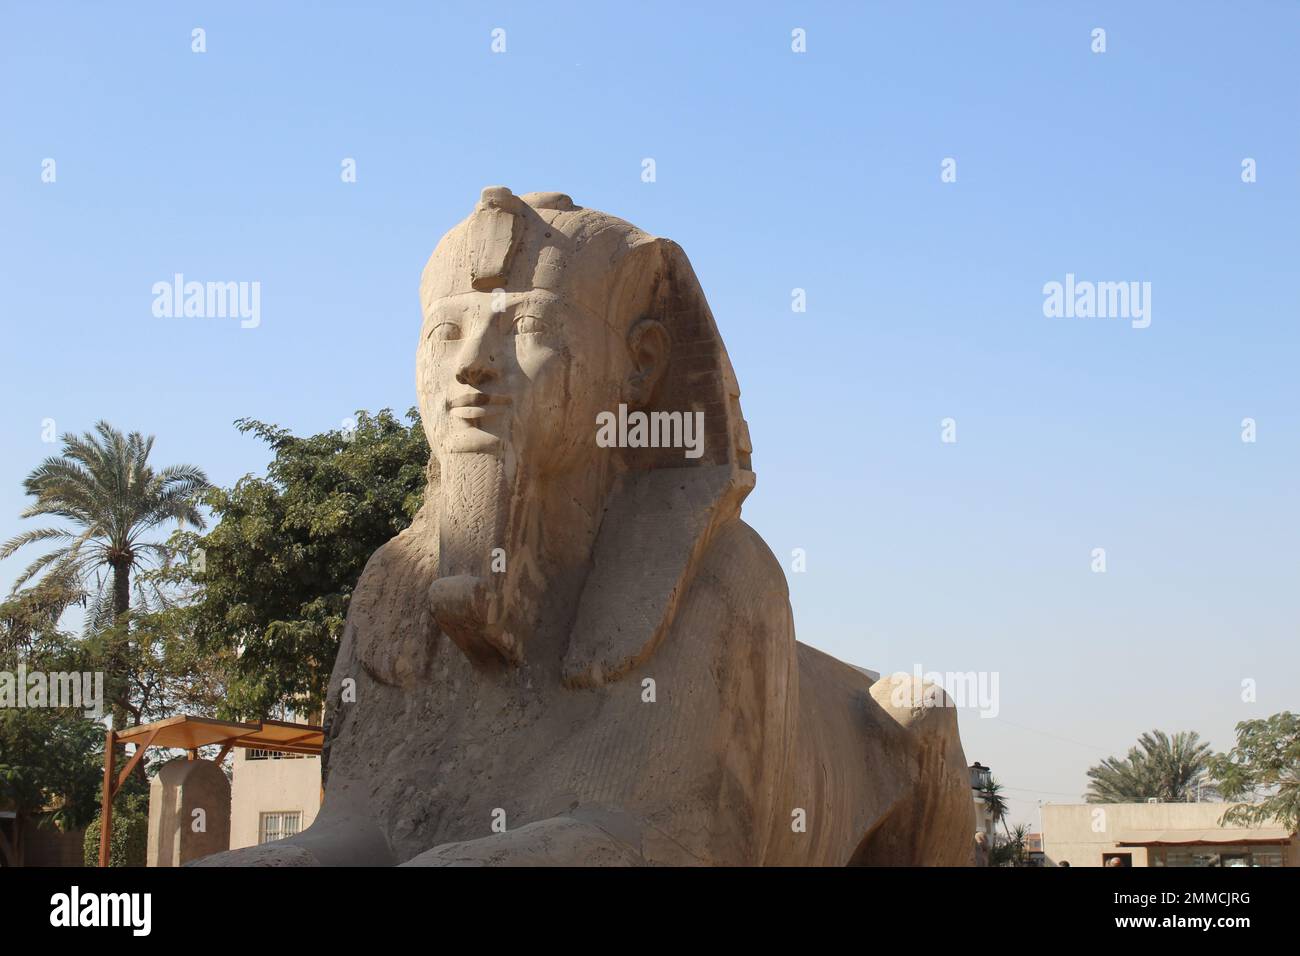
(31, 537)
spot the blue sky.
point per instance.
(775, 171)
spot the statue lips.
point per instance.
(477, 406)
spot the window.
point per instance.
(254, 754)
(278, 825)
(1218, 856)
(1266, 856)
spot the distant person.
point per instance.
(1064, 863)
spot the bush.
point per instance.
(130, 841)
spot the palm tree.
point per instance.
(1162, 767)
(1019, 842)
(1015, 850)
(103, 485)
(991, 794)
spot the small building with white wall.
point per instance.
(1159, 834)
(272, 796)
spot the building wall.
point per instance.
(984, 819)
(49, 846)
(1069, 833)
(271, 786)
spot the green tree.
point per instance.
(285, 551)
(104, 486)
(1264, 767)
(1160, 766)
(29, 618)
(1014, 850)
(50, 765)
(166, 670)
(129, 843)
(991, 794)
(49, 757)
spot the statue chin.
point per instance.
(468, 611)
(473, 441)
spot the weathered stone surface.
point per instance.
(580, 654)
(189, 812)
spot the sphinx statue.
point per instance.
(578, 653)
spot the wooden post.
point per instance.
(106, 810)
(140, 748)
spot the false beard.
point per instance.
(474, 514)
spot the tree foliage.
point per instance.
(1160, 766)
(129, 842)
(1264, 768)
(166, 668)
(49, 757)
(50, 765)
(104, 487)
(286, 550)
(1014, 850)
(112, 503)
(996, 803)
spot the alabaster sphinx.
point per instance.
(578, 653)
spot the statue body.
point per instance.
(580, 655)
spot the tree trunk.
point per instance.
(121, 605)
(121, 589)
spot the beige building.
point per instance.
(272, 796)
(273, 790)
(1159, 834)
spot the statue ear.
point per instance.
(650, 346)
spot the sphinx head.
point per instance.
(540, 316)
(529, 332)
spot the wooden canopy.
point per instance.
(189, 734)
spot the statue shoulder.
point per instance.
(740, 559)
(740, 593)
(389, 624)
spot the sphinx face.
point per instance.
(517, 358)
(509, 387)
(516, 375)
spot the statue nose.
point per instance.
(477, 359)
(476, 372)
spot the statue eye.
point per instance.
(530, 325)
(445, 332)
